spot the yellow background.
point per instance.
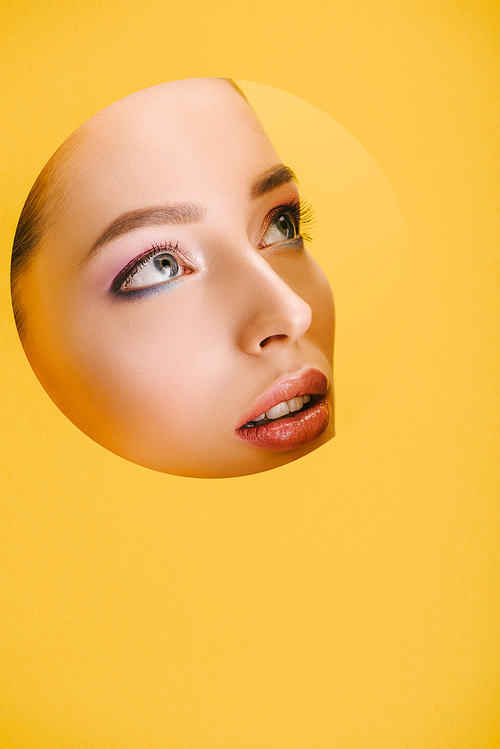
(349, 599)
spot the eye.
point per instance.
(156, 268)
(153, 272)
(283, 227)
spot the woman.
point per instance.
(163, 293)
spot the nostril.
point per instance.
(272, 338)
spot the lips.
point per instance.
(293, 430)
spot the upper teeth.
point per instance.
(282, 409)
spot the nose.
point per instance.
(271, 313)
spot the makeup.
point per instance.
(158, 266)
(290, 220)
(163, 263)
(291, 413)
(180, 320)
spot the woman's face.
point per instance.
(172, 302)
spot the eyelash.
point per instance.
(130, 270)
(301, 212)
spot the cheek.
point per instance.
(153, 369)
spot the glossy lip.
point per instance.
(297, 429)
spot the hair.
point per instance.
(37, 216)
(44, 198)
(29, 233)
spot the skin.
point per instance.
(164, 379)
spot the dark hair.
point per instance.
(44, 198)
(30, 230)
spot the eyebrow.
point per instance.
(187, 213)
(270, 180)
(158, 216)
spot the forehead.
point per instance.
(185, 140)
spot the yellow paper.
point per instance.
(348, 599)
